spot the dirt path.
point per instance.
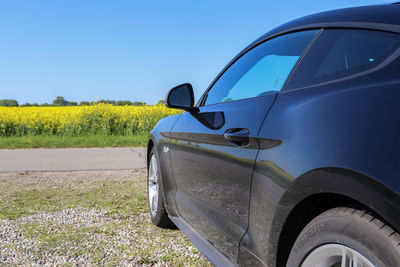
(72, 159)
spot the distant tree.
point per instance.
(102, 101)
(136, 103)
(8, 103)
(162, 101)
(60, 101)
(123, 103)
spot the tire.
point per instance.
(155, 193)
(346, 234)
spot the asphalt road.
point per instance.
(72, 159)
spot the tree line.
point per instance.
(61, 101)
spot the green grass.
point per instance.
(46, 141)
(124, 197)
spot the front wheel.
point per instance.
(158, 212)
(346, 237)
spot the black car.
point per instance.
(292, 156)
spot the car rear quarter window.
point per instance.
(262, 70)
(340, 53)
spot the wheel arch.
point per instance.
(158, 142)
(150, 145)
(322, 189)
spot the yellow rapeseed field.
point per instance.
(79, 120)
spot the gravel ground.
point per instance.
(85, 219)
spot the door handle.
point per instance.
(237, 136)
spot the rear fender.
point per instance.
(352, 185)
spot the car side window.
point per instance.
(339, 53)
(262, 70)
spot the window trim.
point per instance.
(300, 59)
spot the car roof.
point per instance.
(384, 17)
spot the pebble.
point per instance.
(17, 249)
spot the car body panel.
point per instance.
(213, 177)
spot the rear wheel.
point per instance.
(346, 237)
(158, 212)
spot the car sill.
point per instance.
(208, 250)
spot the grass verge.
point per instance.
(48, 141)
(22, 197)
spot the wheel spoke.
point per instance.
(152, 179)
(334, 255)
(153, 186)
(344, 258)
(154, 165)
(355, 261)
(154, 202)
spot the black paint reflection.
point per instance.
(218, 139)
(212, 120)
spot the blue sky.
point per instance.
(130, 50)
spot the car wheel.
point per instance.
(158, 212)
(346, 237)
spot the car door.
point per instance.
(213, 151)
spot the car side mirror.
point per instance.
(182, 97)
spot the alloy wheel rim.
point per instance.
(336, 255)
(153, 186)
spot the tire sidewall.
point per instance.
(348, 230)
